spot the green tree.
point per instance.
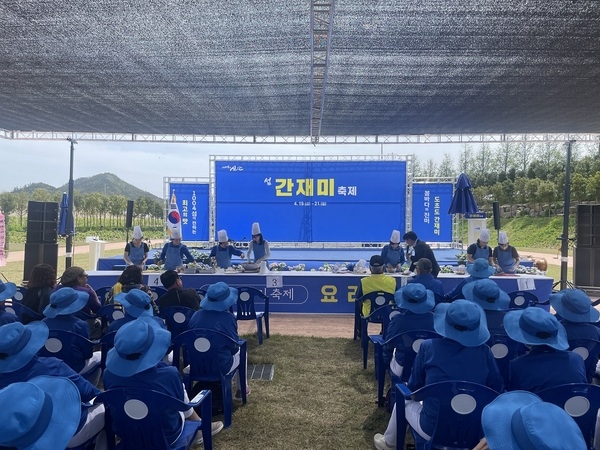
(446, 167)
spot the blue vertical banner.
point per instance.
(430, 218)
(192, 203)
(311, 201)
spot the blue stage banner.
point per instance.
(311, 201)
(430, 203)
(192, 202)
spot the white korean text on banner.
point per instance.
(2, 240)
(311, 201)
(430, 218)
(191, 207)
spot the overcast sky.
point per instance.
(145, 165)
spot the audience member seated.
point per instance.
(19, 362)
(39, 414)
(480, 269)
(130, 278)
(176, 295)
(520, 420)
(7, 290)
(548, 363)
(136, 360)
(136, 303)
(40, 286)
(76, 278)
(376, 282)
(423, 275)
(416, 304)
(492, 299)
(64, 303)
(215, 315)
(460, 355)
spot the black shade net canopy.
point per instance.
(300, 68)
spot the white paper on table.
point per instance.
(526, 284)
(154, 280)
(274, 281)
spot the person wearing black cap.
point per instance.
(423, 268)
(421, 250)
(377, 281)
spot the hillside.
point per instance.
(106, 183)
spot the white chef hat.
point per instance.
(502, 238)
(395, 239)
(137, 232)
(222, 236)
(176, 234)
(255, 228)
(484, 236)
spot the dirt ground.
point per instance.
(319, 325)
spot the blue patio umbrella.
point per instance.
(463, 201)
(62, 216)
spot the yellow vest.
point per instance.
(377, 282)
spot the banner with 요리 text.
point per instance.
(311, 201)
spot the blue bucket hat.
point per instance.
(219, 297)
(574, 305)
(480, 269)
(534, 326)
(39, 414)
(20, 343)
(139, 345)
(462, 321)
(520, 420)
(415, 297)
(7, 290)
(136, 302)
(487, 294)
(65, 301)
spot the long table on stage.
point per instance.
(316, 292)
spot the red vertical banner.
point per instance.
(2, 240)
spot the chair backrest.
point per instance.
(71, 347)
(177, 318)
(246, 302)
(24, 313)
(136, 416)
(522, 299)
(589, 350)
(411, 342)
(378, 299)
(20, 294)
(581, 401)
(102, 293)
(201, 349)
(110, 313)
(106, 343)
(156, 291)
(460, 404)
(505, 350)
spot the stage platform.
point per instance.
(312, 258)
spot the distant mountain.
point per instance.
(106, 183)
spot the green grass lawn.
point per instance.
(320, 398)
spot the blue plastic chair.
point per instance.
(382, 304)
(134, 415)
(102, 293)
(411, 341)
(176, 318)
(106, 343)
(20, 294)
(460, 404)
(200, 348)
(581, 401)
(71, 347)
(589, 350)
(504, 350)
(246, 309)
(522, 299)
(156, 291)
(24, 313)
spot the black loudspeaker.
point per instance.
(585, 261)
(39, 253)
(129, 218)
(587, 226)
(42, 222)
(496, 207)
